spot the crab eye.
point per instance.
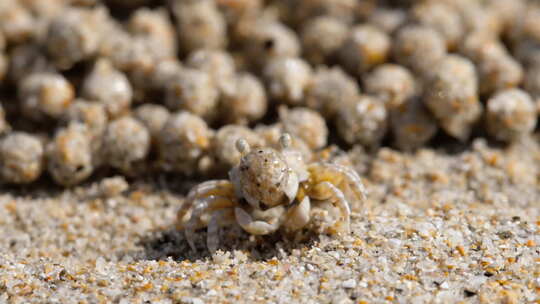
(285, 141)
(242, 146)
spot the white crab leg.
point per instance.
(254, 227)
(191, 226)
(213, 187)
(353, 180)
(189, 233)
(327, 191)
(203, 205)
(216, 220)
(209, 187)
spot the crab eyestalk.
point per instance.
(285, 141)
(242, 146)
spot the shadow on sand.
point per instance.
(161, 245)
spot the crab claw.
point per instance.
(253, 227)
(298, 216)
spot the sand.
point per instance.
(438, 227)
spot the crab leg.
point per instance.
(255, 227)
(204, 204)
(208, 204)
(327, 191)
(336, 174)
(218, 218)
(222, 188)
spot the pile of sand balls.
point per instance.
(138, 86)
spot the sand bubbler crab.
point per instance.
(271, 189)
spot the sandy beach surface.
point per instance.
(438, 227)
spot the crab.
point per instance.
(271, 189)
